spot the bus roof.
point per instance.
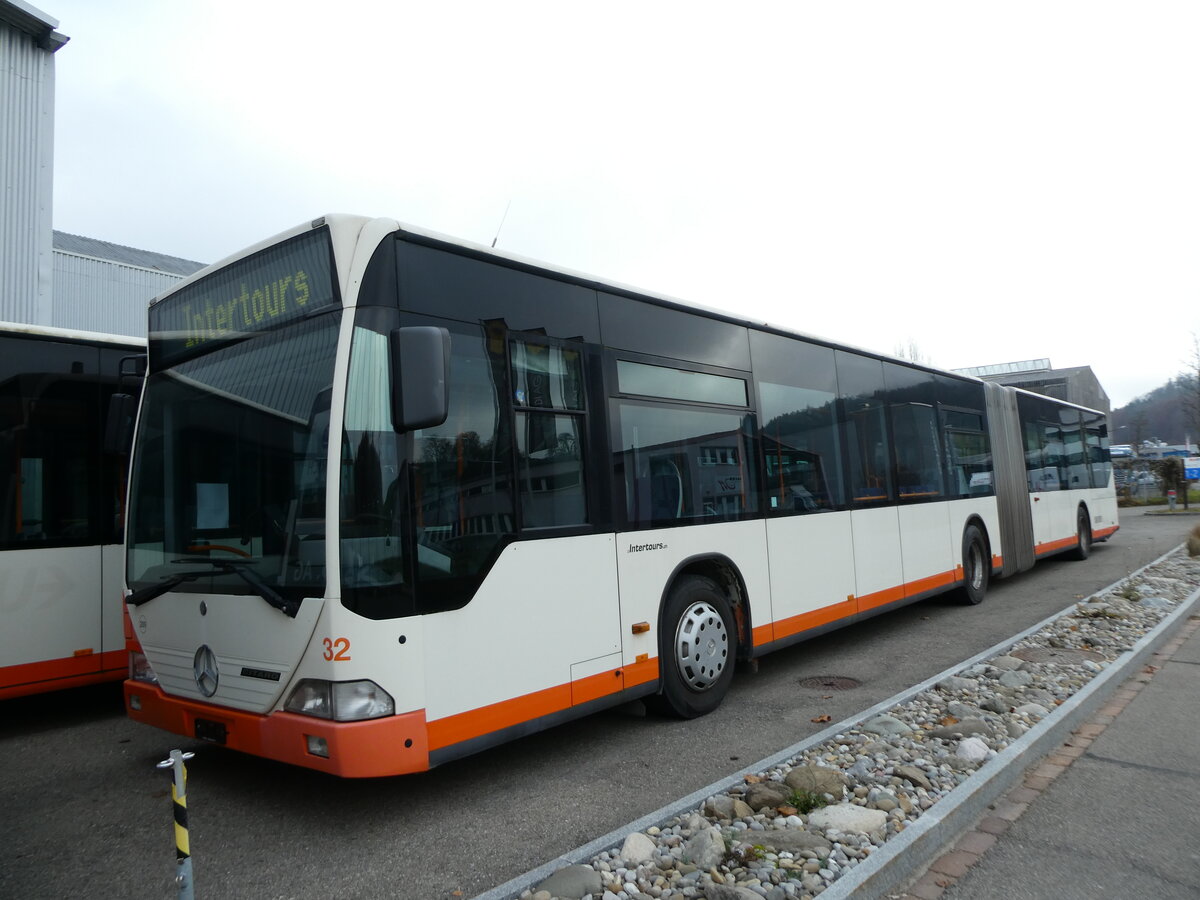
(341, 222)
(72, 334)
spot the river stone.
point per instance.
(972, 749)
(705, 849)
(573, 883)
(730, 892)
(964, 711)
(1063, 656)
(1014, 679)
(791, 840)
(1032, 710)
(964, 728)
(996, 704)
(957, 683)
(719, 807)
(741, 809)
(817, 780)
(767, 793)
(637, 849)
(913, 774)
(886, 724)
(1008, 663)
(849, 818)
(1158, 603)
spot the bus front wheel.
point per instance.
(977, 567)
(698, 647)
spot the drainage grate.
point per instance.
(830, 683)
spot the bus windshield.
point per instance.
(228, 484)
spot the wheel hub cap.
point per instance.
(701, 646)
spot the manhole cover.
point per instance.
(1066, 656)
(830, 683)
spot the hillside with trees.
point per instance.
(1163, 414)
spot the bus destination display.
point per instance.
(282, 284)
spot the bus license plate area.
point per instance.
(208, 730)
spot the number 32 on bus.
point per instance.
(396, 498)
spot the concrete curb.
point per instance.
(905, 856)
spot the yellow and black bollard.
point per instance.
(183, 854)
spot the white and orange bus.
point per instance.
(396, 498)
(61, 502)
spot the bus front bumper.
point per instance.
(394, 745)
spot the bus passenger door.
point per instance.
(878, 559)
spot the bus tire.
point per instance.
(1083, 534)
(698, 649)
(976, 565)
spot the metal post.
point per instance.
(183, 858)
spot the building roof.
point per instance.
(32, 21)
(1044, 376)
(130, 256)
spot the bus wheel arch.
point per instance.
(703, 622)
(976, 562)
(1083, 533)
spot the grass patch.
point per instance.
(806, 801)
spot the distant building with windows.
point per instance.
(1077, 384)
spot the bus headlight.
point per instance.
(342, 701)
(140, 669)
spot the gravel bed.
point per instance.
(789, 832)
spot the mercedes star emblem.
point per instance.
(204, 668)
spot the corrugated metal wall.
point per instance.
(102, 295)
(26, 163)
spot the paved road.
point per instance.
(83, 812)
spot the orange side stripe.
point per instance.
(1051, 546)
(475, 723)
(53, 674)
(933, 582)
(814, 619)
(881, 598)
(835, 612)
(641, 672)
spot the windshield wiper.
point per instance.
(146, 594)
(223, 567)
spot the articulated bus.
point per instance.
(396, 498)
(62, 498)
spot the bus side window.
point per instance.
(683, 464)
(548, 396)
(862, 393)
(49, 445)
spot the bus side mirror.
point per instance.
(118, 427)
(420, 377)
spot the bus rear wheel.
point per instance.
(977, 567)
(1083, 531)
(697, 649)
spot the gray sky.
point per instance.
(992, 182)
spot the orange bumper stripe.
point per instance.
(394, 745)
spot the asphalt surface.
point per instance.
(87, 814)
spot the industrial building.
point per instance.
(48, 277)
(1077, 384)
